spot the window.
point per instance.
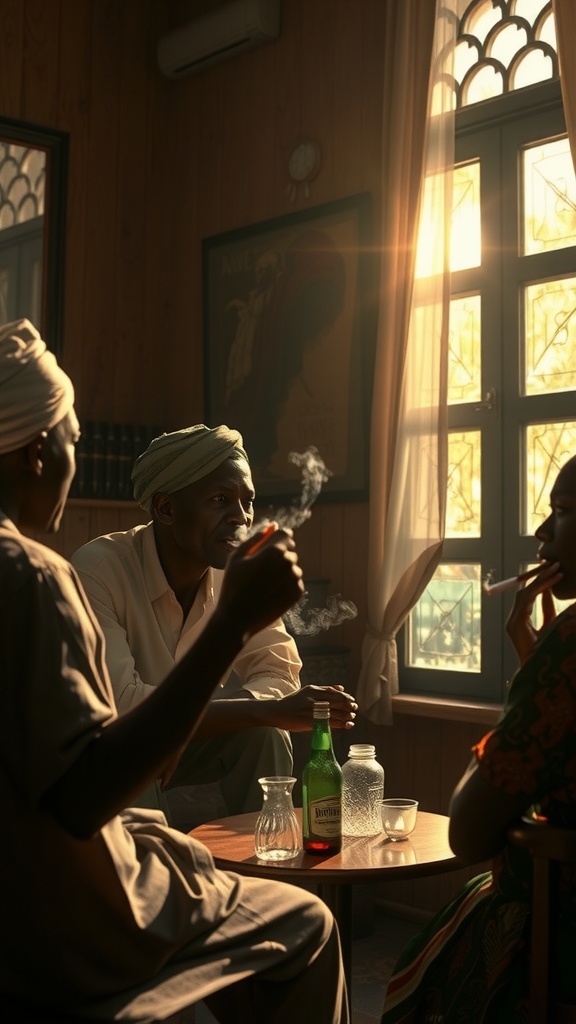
(512, 359)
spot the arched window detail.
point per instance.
(22, 184)
(503, 46)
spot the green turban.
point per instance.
(172, 461)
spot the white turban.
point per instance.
(172, 461)
(35, 393)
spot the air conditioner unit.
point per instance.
(231, 29)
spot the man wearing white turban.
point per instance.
(110, 914)
(154, 588)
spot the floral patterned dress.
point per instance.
(470, 964)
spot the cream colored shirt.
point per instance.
(144, 626)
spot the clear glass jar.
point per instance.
(276, 833)
(362, 792)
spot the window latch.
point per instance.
(489, 401)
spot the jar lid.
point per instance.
(362, 750)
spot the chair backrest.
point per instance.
(549, 847)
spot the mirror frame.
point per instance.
(55, 145)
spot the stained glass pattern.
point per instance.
(550, 333)
(444, 631)
(464, 356)
(549, 197)
(464, 484)
(548, 447)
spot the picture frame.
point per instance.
(288, 345)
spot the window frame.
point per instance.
(495, 131)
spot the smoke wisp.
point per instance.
(301, 620)
(304, 621)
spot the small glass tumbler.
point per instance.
(277, 834)
(399, 817)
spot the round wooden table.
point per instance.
(365, 859)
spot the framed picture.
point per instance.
(288, 339)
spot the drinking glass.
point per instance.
(399, 817)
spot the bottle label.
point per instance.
(325, 816)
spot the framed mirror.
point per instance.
(33, 164)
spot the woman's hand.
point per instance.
(519, 625)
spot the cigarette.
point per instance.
(269, 530)
(511, 582)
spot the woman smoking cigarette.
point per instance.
(511, 583)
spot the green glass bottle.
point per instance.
(322, 789)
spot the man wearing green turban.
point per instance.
(153, 588)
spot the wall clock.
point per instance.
(303, 165)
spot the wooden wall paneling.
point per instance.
(184, 358)
(354, 561)
(287, 85)
(208, 145)
(128, 341)
(109, 520)
(11, 57)
(131, 516)
(369, 113)
(210, 183)
(348, 98)
(262, 198)
(74, 531)
(41, 62)
(74, 87)
(317, 73)
(170, 300)
(100, 286)
(236, 158)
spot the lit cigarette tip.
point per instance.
(262, 540)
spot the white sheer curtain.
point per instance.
(408, 456)
(565, 18)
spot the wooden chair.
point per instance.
(549, 847)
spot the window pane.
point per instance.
(550, 336)
(484, 84)
(463, 500)
(482, 17)
(464, 367)
(444, 626)
(506, 42)
(534, 66)
(548, 447)
(465, 239)
(549, 214)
